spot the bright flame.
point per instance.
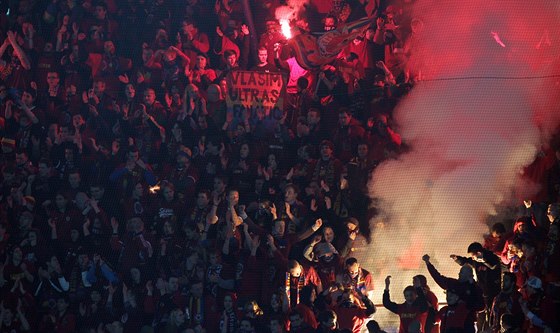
(155, 188)
(286, 30)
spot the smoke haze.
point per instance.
(469, 139)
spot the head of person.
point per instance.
(197, 288)
(99, 86)
(74, 179)
(410, 295)
(231, 58)
(452, 296)
(328, 319)
(553, 211)
(29, 96)
(62, 304)
(363, 150)
(97, 190)
(189, 27)
(233, 197)
(147, 54)
(352, 267)
(130, 91)
(53, 79)
(466, 274)
(344, 117)
(475, 250)
(201, 61)
(177, 317)
(100, 10)
(533, 286)
(214, 93)
(263, 55)
(109, 47)
(272, 25)
(220, 184)
(149, 96)
(247, 325)
(313, 117)
(326, 149)
(167, 191)
(279, 228)
(290, 193)
(419, 281)
(498, 230)
(133, 154)
(294, 268)
(328, 234)
(61, 200)
(330, 22)
(302, 83)
(229, 300)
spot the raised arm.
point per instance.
(387, 303)
(19, 51)
(304, 235)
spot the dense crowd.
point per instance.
(132, 200)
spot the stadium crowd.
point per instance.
(132, 199)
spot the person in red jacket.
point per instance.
(355, 277)
(350, 311)
(420, 281)
(298, 276)
(453, 316)
(298, 324)
(539, 309)
(415, 307)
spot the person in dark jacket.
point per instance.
(488, 274)
(465, 286)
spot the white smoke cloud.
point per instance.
(469, 138)
(291, 10)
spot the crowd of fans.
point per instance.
(132, 201)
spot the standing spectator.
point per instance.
(454, 315)
(355, 277)
(488, 270)
(465, 286)
(420, 281)
(508, 300)
(17, 71)
(538, 308)
(415, 307)
(350, 311)
(347, 136)
(192, 41)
